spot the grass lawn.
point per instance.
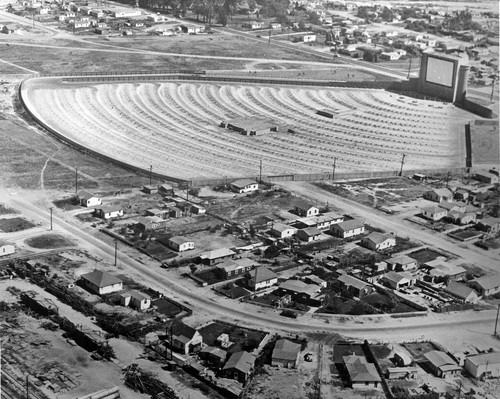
(167, 307)
(424, 255)
(47, 241)
(15, 224)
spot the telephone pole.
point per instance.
(76, 180)
(496, 321)
(333, 169)
(150, 173)
(260, 171)
(51, 217)
(116, 250)
(409, 67)
(402, 163)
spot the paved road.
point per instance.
(398, 225)
(150, 274)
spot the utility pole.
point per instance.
(493, 87)
(260, 171)
(447, 179)
(27, 387)
(150, 173)
(76, 180)
(269, 41)
(402, 163)
(187, 191)
(496, 321)
(333, 169)
(409, 67)
(51, 217)
(116, 250)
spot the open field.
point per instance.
(174, 127)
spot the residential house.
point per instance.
(397, 373)
(489, 225)
(309, 234)
(180, 244)
(285, 354)
(440, 268)
(486, 285)
(401, 263)
(461, 194)
(462, 292)
(253, 25)
(439, 195)
(462, 218)
(167, 190)
(239, 367)
(174, 212)
(354, 285)
(349, 228)
(398, 280)
(313, 279)
(362, 375)
(486, 177)
(378, 241)
(150, 189)
(6, 248)
(160, 213)
(198, 209)
(8, 29)
(453, 206)
(148, 223)
(389, 56)
(308, 38)
(305, 209)
(260, 277)
(233, 268)
(156, 17)
(184, 338)
(88, 199)
(101, 283)
(275, 25)
(441, 364)
(108, 212)
(280, 230)
(484, 365)
(434, 213)
(213, 355)
(216, 256)
(301, 292)
(136, 300)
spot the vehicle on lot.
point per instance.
(96, 356)
(481, 245)
(308, 357)
(289, 313)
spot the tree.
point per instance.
(314, 18)
(252, 231)
(271, 251)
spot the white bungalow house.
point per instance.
(378, 241)
(136, 300)
(180, 244)
(6, 248)
(88, 200)
(108, 212)
(305, 209)
(184, 338)
(434, 213)
(283, 230)
(260, 277)
(349, 228)
(101, 283)
(244, 186)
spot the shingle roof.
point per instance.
(261, 274)
(400, 260)
(217, 253)
(439, 359)
(280, 227)
(242, 361)
(352, 281)
(85, 195)
(311, 231)
(181, 330)
(492, 359)
(101, 279)
(300, 287)
(360, 370)
(488, 282)
(350, 225)
(180, 240)
(220, 353)
(378, 238)
(286, 350)
(459, 290)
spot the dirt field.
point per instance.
(9, 225)
(48, 241)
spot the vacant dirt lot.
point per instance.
(9, 225)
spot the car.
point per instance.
(481, 245)
(289, 313)
(308, 357)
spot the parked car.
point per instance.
(289, 313)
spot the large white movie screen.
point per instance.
(439, 72)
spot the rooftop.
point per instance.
(261, 274)
(439, 359)
(459, 290)
(286, 350)
(180, 240)
(217, 253)
(242, 361)
(492, 358)
(488, 282)
(360, 370)
(242, 183)
(378, 238)
(350, 225)
(101, 279)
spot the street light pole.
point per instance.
(51, 218)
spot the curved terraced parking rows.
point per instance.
(173, 126)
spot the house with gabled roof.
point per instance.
(260, 277)
(88, 199)
(216, 256)
(462, 218)
(136, 300)
(101, 283)
(453, 206)
(6, 248)
(349, 228)
(434, 213)
(305, 209)
(231, 268)
(486, 285)
(483, 365)
(301, 292)
(401, 263)
(489, 225)
(244, 186)
(285, 354)
(215, 356)
(441, 364)
(180, 244)
(361, 374)
(146, 223)
(439, 195)
(183, 338)
(354, 285)
(108, 212)
(240, 366)
(462, 292)
(378, 241)
(309, 234)
(398, 280)
(281, 230)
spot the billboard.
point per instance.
(440, 71)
